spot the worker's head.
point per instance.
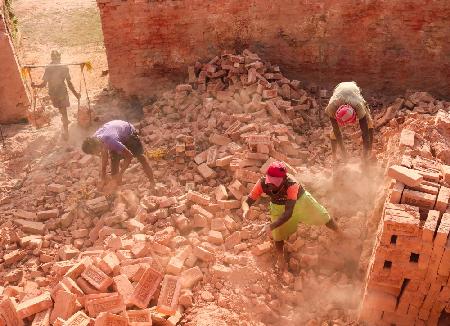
(91, 145)
(276, 174)
(56, 56)
(345, 115)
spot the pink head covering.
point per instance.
(345, 114)
(276, 172)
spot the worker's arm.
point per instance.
(69, 83)
(104, 158)
(367, 142)
(252, 198)
(337, 133)
(126, 163)
(288, 210)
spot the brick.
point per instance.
(170, 292)
(98, 205)
(247, 176)
(14, 257)
(200, 221)
(8, 313)
(218, 224)
(97, 278)
(442, 233)
(219, 140)
(25, 215)
(215, 237)
(141, 317)
(34, 305)
(444, 266)
(123, 286)
(72, 286)
(221, 271)
(224, 161)
(221, 192)
(186, 298)
(382, 301)
(31, 227)
(203, 254)
(407, 176)
(237, 189)
(205, 171)
(175, 266)
(56, 188)
(80, 233)
(396, 193)
(229, 204)
(75, 271)
(145, 288)
(42, 318)
(65, 306)
(196, 209)
(233, 240)
(78, 319)
(112, 303)
(420, 199)
(109, 263)
(262, 248)
(198, 198)
(442, 199)
(407, 138)
(48, 214)
(445, 169)
(108, 318)
(191, 276)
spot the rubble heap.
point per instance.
(408, 276)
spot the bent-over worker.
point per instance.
(347, 105)
(55, 76)
(290, 204)
(117, 140)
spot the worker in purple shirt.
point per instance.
(118, 140)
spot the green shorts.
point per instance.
(306, 210)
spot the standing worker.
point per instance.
(55, 74)
(117, 140)
(345, 107)
(290, 204)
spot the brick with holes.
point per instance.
(170, 292)
(145, 288)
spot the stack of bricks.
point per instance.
(184, 149)
(408, 277)
(106, 287)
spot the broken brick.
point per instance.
(407, 176)
(34, 305)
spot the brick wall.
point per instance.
(384, 45)
(13, 98)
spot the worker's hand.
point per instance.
(245, 210)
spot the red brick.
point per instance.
(42, 318)
(170, 292)
(191, 276)
(123, 286)
(269, 93)
(205, 171)
(48, 214)
(442, 199)
(112, 303)
(34, 305)
(14, 256)
(78, 319)
(429, 228)
(139, 317)
(221, 192)
(224, 161)
(407, 138)
(109, 263)
(420, 199)
(65, 306)
(407, 176)
(198, 198)
(97, 278)
(445, 169)
(75, 271)
(396, 193)
(145, 288)
(219, 140)
(247, 175)
(85, 286)
(203, 254)
(262, 248)
(8, 313)
(442, 233)
(72, 286)
(215, 237)
(107, 319)
(381, 300)
(229, 204)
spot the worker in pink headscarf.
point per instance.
(345, 107)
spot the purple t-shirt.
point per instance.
(114, 133)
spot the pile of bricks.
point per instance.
(408, 278)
